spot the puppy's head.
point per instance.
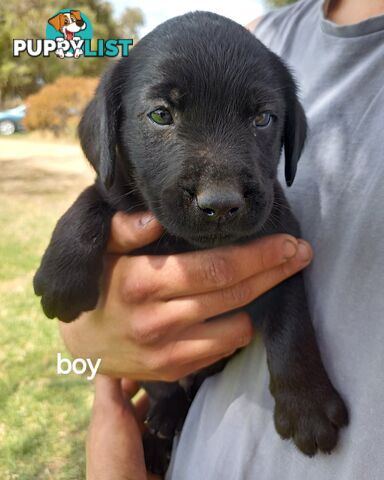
(68, 23)
(196, 119)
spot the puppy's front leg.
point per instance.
(60, 53)
(308, 408)
(169, 405)
(68, 277)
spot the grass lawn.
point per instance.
(43, 416)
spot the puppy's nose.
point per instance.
(79, 23)
(220, 203)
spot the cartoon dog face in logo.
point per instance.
(68, 24)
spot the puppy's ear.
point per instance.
(57, 21)
(76, 14)
(295, 132)
(98, 129)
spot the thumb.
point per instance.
(132, 231)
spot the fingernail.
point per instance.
(289, 249)
(145, 219)
(303, 252)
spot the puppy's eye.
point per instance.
(262, 119)
(161, 116)
(65, 21)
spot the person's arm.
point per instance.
(251, 26)
(150, 320)
(114, 444)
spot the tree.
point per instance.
(280, 3)
(129, 22)
(57, 106)
(21, 76)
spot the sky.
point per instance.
(157, 11)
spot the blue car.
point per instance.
(11, 120)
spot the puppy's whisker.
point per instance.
(158, 243)
(275, 221)
(135, 206)
(280, 206)
(131, 192)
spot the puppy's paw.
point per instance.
(312, 418)
(157, 453)
(166, 417)
(65, 292)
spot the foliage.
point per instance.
(130, 20)
(43, 416)
(57, 106)
(280, 3)
(20, 76)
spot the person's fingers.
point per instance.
(203, 346)
(193, 367)
(276, 275)
(141, 406)
(193, 308)
(153, 319)
(119, 390)
(171, 276)
(217, 337)
(132, 231)
(152, 476)
(129, 388)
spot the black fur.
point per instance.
(215, 78)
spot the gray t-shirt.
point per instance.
(338, 196)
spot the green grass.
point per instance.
(43, 416)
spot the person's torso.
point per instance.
(338, 197)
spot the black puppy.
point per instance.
(191, 126)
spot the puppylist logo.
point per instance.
(69, 35)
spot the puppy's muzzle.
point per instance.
(219, 204)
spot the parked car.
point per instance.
(11, 120)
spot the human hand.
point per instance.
(114, 440)
(150, 320)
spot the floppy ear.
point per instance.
(98, 129)
(295, 132)
(76, 14)
(57, 21)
